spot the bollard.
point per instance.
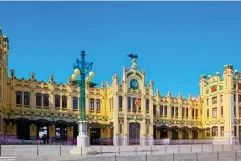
(165, 149)
(81, 150)
(136, 150)
(100, 150)
(151, 149)
(202, 148)
(115, 157)
(217, 155)
(196, 156)
(173, 157)
(37, 150)
(60, 150)
(191, 148)
(222, 147)
(146, 157)
(119, 150)
(179, 150)
(0, 150)
(235, 155)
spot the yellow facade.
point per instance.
(29, 107)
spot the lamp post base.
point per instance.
(83, 141)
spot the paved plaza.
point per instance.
(121, 153)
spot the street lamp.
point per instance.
(81, 67)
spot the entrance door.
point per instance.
(134, 133)
(184, 135)
(194, 135)
(174, 134)
(95, 136)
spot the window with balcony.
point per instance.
(214, 112)
(193, 114)
(154, 110)
(207, 113)
(165, 110)
(38, 99)
(222, 131)
(92, 104)
(186, 112)
(129, 104)
(64, 102)
(147, 105)
(120, 103)
(196, 113)
(221, 110)
(75, 103)
(26, 98)
(18, 97)
(46, 100)
(98, 105)
(239, 98)
(57, 101)
(214, 100)
(172, 111)
(183, 112)
(161, 110)
(176, 112)
(215, 131)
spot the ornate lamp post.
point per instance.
(81, 67)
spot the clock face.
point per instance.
(134, 83)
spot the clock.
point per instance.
(134, 84)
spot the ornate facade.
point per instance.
(127, 111)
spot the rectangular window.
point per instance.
(234, 86)
(193, 113)
(234, 110)
(239, 98)
(147, 105)
(154, 110)
(64, 101)
(214, 112)
(207, 112)
(129, 103)
(172, 111)
(161, 110)
(221, 110)
(120, 128)
(234, 97)
(98, 105)
(215, 131)
(165, 110)
(186, 112)
(176, 111)
(221, 98)
(26, 98)
(92, 108)
(38, 99)
(235, 130)
(75, 103)
(120, 103)
(196, 113)
(214, 100)
(207, 101)
(147, 129)
(222, 130)
(18, 97)
(46, 100)
(183, 112)
(134, 104)
(57, 100)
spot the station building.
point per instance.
(126, 111)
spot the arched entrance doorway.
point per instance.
(134, 133)
(174, 131)
(23, 128)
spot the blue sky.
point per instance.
(176, 41)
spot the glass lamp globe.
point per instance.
(91, 74)
(73, 77)
(76, 71)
